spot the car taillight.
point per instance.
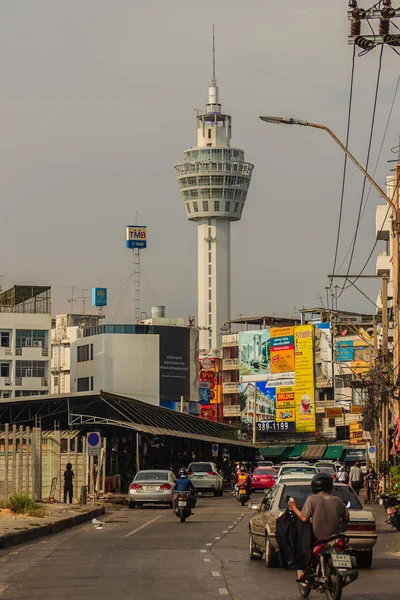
(358, 526)
(165, 486)
(134, 486)
(190, 472)
(212, 473)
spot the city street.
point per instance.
(148, 553)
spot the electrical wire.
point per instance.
(345, 161)
(366, 168)
(376, 166)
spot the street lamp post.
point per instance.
(395, 229)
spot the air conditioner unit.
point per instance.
(37, 344)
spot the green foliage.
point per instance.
(395, 483)
(23, 504)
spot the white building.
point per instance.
(66, 329)
(25, 326)
(155, 364)
(214, 180)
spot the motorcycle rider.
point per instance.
(326, 512)
(183, 484)
(244, 478)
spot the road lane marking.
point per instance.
(143, 526)
(207, 560)
(223, 591)
(230, 527)
(203, 551)
(215, 574)
(209, 544)
(226, 531)
(217, 538)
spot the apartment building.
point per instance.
(25, 326)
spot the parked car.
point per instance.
(361, 528)
(151, 487)
(327, 468)
(206, 477)
(263, 478)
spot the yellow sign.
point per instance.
(356, 410)
(282, 349)
(356, 433)
(285, 397)
(333, 413)
(304, 366)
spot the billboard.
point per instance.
(356, 351)
(136, 237)
(266, 398)
(99, 296)
(282, 349)
(304, 363)
(254, 352)
(174, 362)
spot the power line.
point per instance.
(345, 160)
(366, 166)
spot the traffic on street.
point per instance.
(148, 553)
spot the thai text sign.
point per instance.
(282, 349)
(333, 413)
(304, 364)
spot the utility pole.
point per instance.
(384, 393)
(376, 433)
(255, 414)
(395, 270)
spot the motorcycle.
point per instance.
(334, 568)
(183, 508)
(242, 494)
(391, 505)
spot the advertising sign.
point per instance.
(285, 397)
(136, 237)
(204, 392)
(355, 409)
(333, 413)
(356, 433)
(99, 296)
(208, 412)
(304, 363)
(266, 397)
(282, 349)
(285, 415)
(254, 352)
(274, 427)
(174, 362)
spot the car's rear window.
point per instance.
(264, 472)
(301, 492)
(152, 476)
(288, 470)
(326, 469)
(200, 468)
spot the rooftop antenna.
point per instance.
(214, 81)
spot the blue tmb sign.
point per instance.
(136, 237)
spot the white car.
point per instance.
(285, 478)
(206, 477)
(296, 469)
(151, 487)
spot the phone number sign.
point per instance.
(275, 427)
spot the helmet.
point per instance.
(322, 482)
(182, 472)
(243, 469)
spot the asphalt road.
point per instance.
(148, 554)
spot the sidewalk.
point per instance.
(17, 529)
(388, 537)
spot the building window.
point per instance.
(209, 307)
(216, 205)
(209, 294)
(227, 206)
(188, 207)
(91, 351)
(209, 257)
(4, 369)
(83, 384)
(83, 353)
(27, 338)
(30, 368)
(209, 134)
(195, 207)
(91, 384)
(209, 269)
(236, 206)
(209, 282)
(209, 318)
(4, 339)
(332, 423)
(56, 381)
(205, 205)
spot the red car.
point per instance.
(263, 478)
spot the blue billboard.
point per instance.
(136, 237)
(99, 296)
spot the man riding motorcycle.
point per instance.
(244, 478)
(326, 511)
(183, 484)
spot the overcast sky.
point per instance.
(96, 105)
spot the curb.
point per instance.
(20, 537)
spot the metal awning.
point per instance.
(298, 451)
(273, 451)
(314, 452)
(333, 453)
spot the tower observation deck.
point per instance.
(214, 180)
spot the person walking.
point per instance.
(355, 479)
(370, 479)
(68, 483)
(342, 476)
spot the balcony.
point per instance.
(32, 352)
(5, 352)
(230, 364)
(383, 223)
(230, 339)
(230, 388)
(383, 264)
(32, 383)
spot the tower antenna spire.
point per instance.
(214, 82)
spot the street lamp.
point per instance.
(396, 257)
